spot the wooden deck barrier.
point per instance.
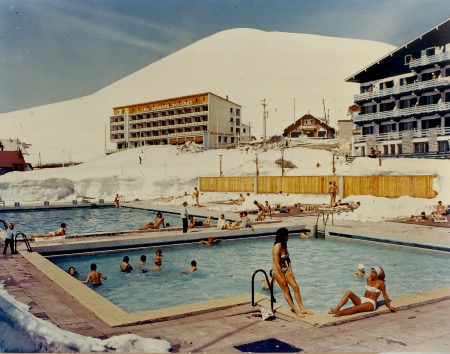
(377, 186)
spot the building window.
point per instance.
(232, 129)
(220, 139)
(407, 126)
(244, 131)
(225, 139)
(444, 146)
(420, 147)
(367, 130)
(232, 140)
(231, 109)
(408, 58)
(430, 51)
(231, 120)
(386, 128)
(238, 122)
(238, 112)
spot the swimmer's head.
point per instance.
(71, 271)
(93, 266)
(158, 251)
(63, 225)
(143, 258)
(126, 259)
(360, 266)
(194, 263)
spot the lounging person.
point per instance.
(94, 276)
(267, 209)
(282, 272)
(159, 220)
(374, 287)
(222, 223)
(238, 201)
(210, 241)
(440, 210)
(198, 223)
(125, 266)
(60, 232)
(361, 272)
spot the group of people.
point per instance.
(95, 276)
(439, 214)
(282, 273)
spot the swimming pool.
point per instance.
(84, 220)
(323, 269)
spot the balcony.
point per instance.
(197, 132)
(427, 61)
(405, 112)
(399, 135)
(415, 87)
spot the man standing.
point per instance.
(9, 238)
(184, 216)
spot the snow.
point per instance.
(39, 335)
(248, 65)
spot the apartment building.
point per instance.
(203, 118)
(404, 102)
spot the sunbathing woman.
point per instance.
(195, 223)
(154, 225)
(282, 272)
(374, 287)
(60, 232)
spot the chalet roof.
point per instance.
(393, 63)
(295, 125)
(10, 158)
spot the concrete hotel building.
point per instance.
(202, 118)
(404, 101)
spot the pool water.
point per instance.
(84, 220)
(323, 269)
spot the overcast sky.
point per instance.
(54, 50)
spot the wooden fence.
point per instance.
(378, 186)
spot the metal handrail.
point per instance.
(5, 224)
(25, 239)
(272, 298)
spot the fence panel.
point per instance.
(378, 186)
(227, 184)
(390, 186)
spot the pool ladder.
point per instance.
(324, 221)
(18, 234)
(272, 298)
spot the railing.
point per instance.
(24, 238)
(164, 127)
(420, 110)
(429, 60)
(270, 285)
(423, 133)
(197, 132)
(416, 86)
(166, 117)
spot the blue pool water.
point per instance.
(84, 220)
(323, 269)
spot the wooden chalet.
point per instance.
(310, 126)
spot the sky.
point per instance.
(55, 50)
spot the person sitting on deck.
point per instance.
(159, 220)
(60, 232)
(198, 223)
(440, 209)
(267, 208)
(222, 223)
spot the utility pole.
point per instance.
(324, 110)
(265, 116)
(249, 131)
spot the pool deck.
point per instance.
(421, 325)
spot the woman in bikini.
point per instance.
(159, 220)
(374, 287)
(60, 232)
(282, 272)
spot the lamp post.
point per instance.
(220, 170)
(256, 161)
(282, 162)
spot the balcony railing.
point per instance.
(432, 59)
(416, 86)
(412, 111)
(423, 133)
(164, 127)
(197, 132)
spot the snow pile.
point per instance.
(38, 335)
